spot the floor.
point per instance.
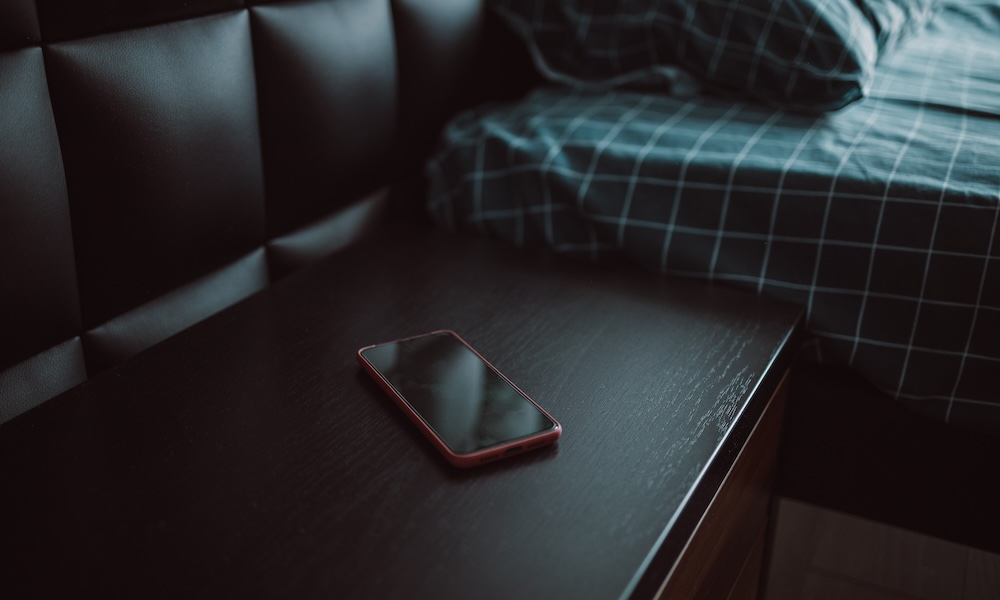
(819, 554)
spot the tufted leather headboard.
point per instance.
(162, 160)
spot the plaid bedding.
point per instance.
(811, 55)
(881, 219)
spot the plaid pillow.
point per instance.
(813, 55)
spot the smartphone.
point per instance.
(463, 404)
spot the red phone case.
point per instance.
(486, 455)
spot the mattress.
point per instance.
(880, 218)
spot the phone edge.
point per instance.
(480, 457)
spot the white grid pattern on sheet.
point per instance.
(880, 218)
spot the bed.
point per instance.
(872, 197)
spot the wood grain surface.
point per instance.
(714, 563)
(250, 457)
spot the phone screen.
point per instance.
(465, 401)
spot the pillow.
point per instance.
(813, 55)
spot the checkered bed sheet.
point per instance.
(881, 219)
(813, 55)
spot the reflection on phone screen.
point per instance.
(467, 403)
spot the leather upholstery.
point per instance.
(39, 304)
(162, 156)
(162, 160)
(437, 38)
(66, 19)
(18, 24)
(312, 162)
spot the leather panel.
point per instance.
(157, 320)
(66, 19)
(327, 85)
(438, 50)
(162, 152)
(18, 24)
(324, 237)
(28, 384)
(39, 306)
(132, 204)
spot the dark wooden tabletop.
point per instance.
(249, 456)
